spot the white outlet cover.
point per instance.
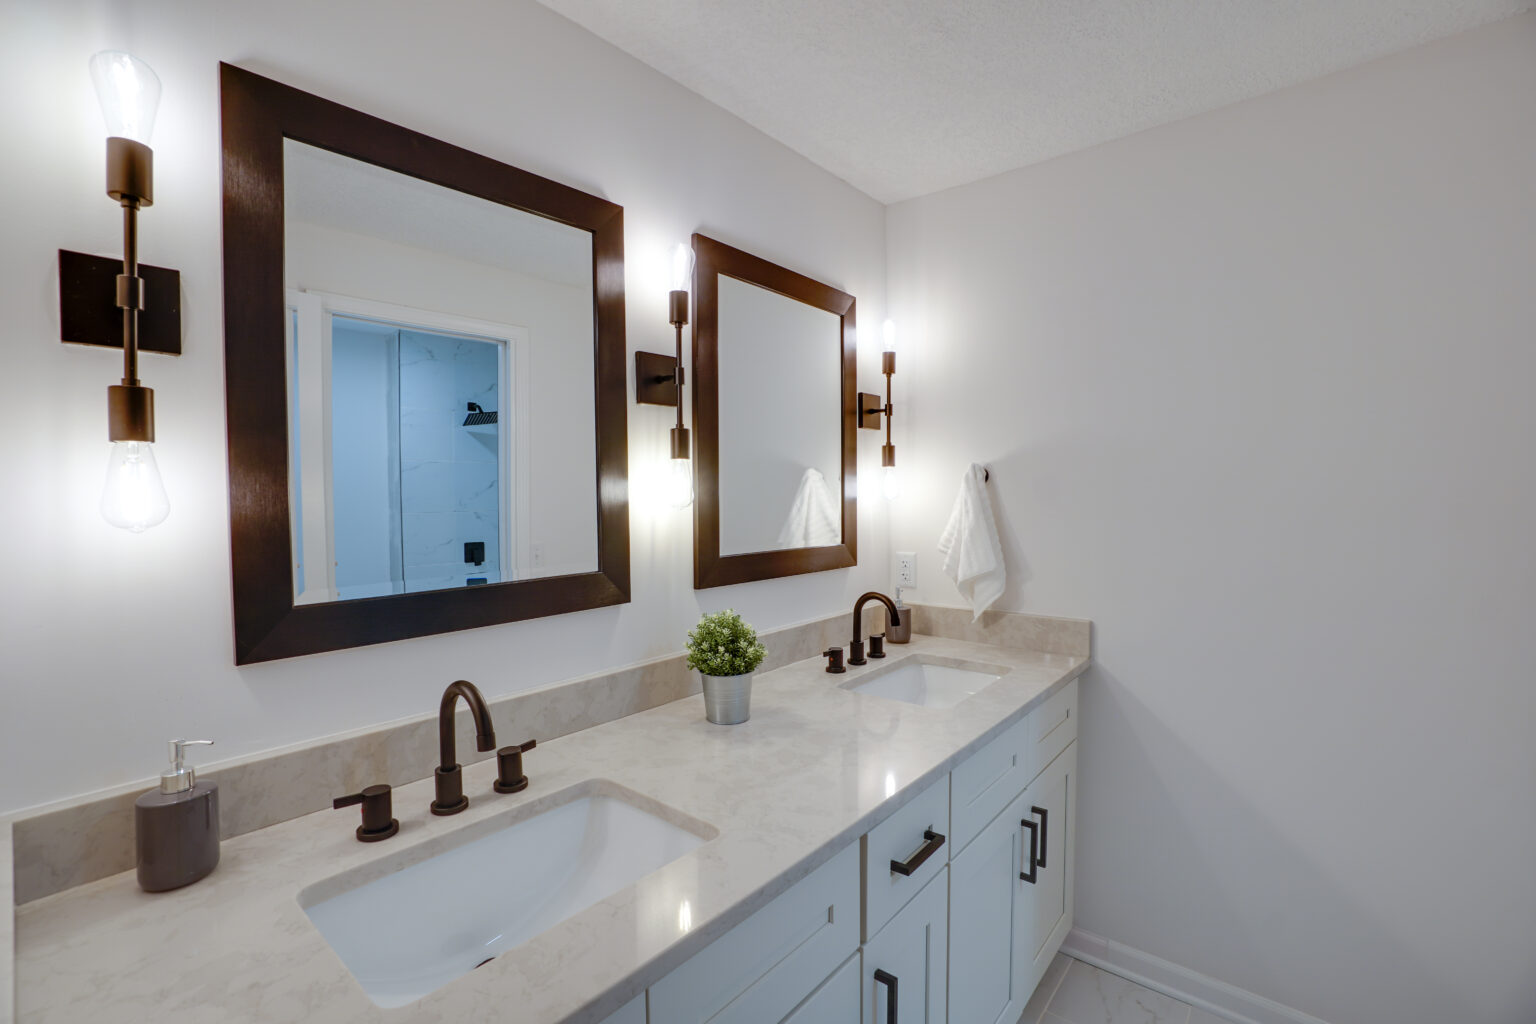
(906, 568)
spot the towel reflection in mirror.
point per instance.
(815, 518)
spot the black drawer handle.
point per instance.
(1034, 850)
(1045, 832)
(931, 843)
(889, 981)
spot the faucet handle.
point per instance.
(378, 821)
(834, 656)
(509, 768)
(877, 645)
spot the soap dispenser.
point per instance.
(901, 634)
(177, 826)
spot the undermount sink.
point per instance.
(927, 681)
(407, 926)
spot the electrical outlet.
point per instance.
(906, 568)
(536, 551)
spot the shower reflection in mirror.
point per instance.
(429, 332)
(406, 452)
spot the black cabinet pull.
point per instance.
(931, 843)
(1045, 832)
(889, 981)
(1034, 850)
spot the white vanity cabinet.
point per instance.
(962, 897)
(1010, 899)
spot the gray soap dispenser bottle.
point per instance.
(177, 826)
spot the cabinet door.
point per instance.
(835, 1002)
(910, 957)
(633, 1012)
(984, 892)
(1045, 915)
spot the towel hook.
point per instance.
(986, 475)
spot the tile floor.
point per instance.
(1073, 992)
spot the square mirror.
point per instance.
(424, 353)
(775, 415)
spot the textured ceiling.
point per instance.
(906, 97)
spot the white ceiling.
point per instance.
(906, 97)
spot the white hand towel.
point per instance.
(973, 554)
(814, 520)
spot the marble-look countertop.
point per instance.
(815, 767)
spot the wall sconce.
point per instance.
(134, 497)
(659, 380)
(871, 409)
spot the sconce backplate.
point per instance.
(655, 380)
(871, 407)
(88, 310)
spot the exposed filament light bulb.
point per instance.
(129, 93)
(134, 497)
(680, 483)
(888, 336)
(682, 267)
(890, 483)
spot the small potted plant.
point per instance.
(726, 652)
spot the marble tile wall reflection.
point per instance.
(450, 481)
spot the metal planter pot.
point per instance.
(727, 699)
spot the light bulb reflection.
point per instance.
(685, 917)
(890, 784)
(134, 497)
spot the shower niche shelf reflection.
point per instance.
(424, 356)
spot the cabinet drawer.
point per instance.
(916, 835)
(985, 782)
(1052, 726)
(835, 1002)
(764, 967)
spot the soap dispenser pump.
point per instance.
(177, 825)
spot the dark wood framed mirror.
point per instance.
(425, 378)
(775, 418)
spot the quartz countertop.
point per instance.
(814, 768)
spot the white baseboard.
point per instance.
(1235, 1004)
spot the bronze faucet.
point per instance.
(449, 776)
(876, 642)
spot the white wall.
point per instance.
(1256, 393)
(110, 643)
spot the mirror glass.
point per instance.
(440, 385)
(781, 424)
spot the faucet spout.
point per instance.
(856, 645)
(485, 732)
(449, 776)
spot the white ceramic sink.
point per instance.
(927, 681)
(492, 887)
